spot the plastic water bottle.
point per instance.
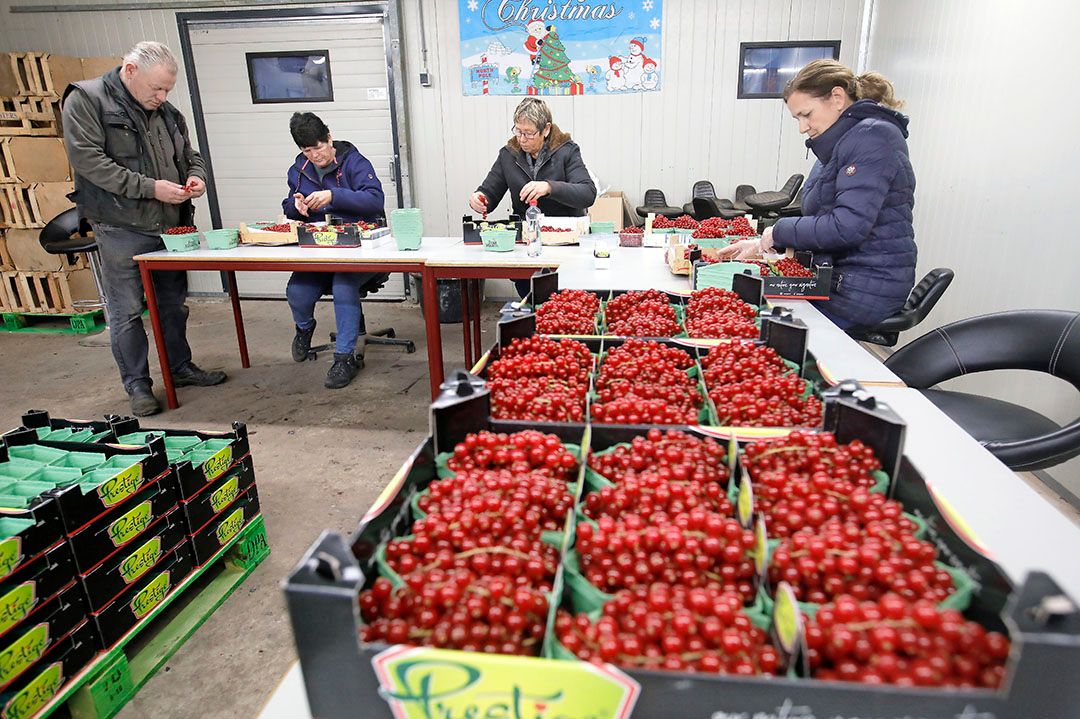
(534, 218)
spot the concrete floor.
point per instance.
(321, 457)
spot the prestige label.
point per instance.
(26, 650)
(420, 683)
(224, 495)
(216, 465)
(10, 555)
(230, 526)
(141, 560)
(16, 604)
(129, 526)
(151, 595)
(116, 490)
(36, 694)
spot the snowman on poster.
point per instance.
(633, 64)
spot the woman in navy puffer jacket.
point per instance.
(858, 199)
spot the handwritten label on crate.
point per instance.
(141, 560)
(216, 465)
(10, 555)
(230, 527)
(26, 650)
(113, 688)
(16, 604)
(420, 682)
(116, 490)
(127, 527)
(151, 595)
(254, 546)
(224, 495)
(36, 694)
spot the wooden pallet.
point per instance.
(46, 293)
(30, 116)
(109, 682)
(6, 263)
(28, 205)
(33, 159)
(78, 323)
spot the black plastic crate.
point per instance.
(215, 534)
(50, 623)
(216, 497)
(41, 682)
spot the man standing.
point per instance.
(136, 175)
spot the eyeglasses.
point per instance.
(525, 135)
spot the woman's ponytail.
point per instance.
(875, 86)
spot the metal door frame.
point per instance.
(387, 11)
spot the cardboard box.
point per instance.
(97, 66)
(33, 159)
(26, 254)
(612, 207)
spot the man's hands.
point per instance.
(535, 190)
(170, 192)
(478, 202)
(174, 194)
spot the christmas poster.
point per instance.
(560, 47)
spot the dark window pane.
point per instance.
(290, 76)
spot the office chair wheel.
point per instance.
(390, 333)
(410, 348)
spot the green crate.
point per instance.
(225, 239)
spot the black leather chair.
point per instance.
(795, 208)
(656, 203)
(701, 188)
(1040, 340)
(68, 234)
(764, 204)
(706, 207)
(920, 301)
(741, 193)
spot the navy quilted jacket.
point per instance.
(856, 207)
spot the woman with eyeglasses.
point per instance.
(540, 162)
(857, 202)
(329, 177)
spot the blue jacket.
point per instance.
(856, 206)
(356, 192)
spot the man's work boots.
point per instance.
(346, 366)
(301, 344)
(143, 401)
(191, 376)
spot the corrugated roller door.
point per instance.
(250, 145)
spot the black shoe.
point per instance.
(346, 366)
(301, 343)
(143, 401)
(191, 376)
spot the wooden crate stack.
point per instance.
(35, 179)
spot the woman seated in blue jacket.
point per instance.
(329, 177)
(858, 199)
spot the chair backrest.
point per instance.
(704, 208)
(63, 233)
(926, 294)
(742, 191)
(1040, 340)
(792, 185)
(703, 188)
(655, 198)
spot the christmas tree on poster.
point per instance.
(554, 64)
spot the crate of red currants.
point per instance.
(655, 572)
(794, 277)
(471, 227)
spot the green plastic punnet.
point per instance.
(182, 243)
(60, 476)
(10, 526)
(122, 462)
(138, 439)
(36, 453)
(224, 239)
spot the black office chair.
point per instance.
(701, 188)
(795, 208)
(68, 234)
(920, 301)
(764, 204)
(1040, 340)
(656, 203)
(741, 193)
(385, 336)
(706, 207)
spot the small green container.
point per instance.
(36, 453)
(407, 227)
(9, 526)
(82, 461)
(181, 443)
(174, 455)
(182, 243)
(17, 470)
(120, 462)
(138, 439)
(212, 445)
(60, 476)
(222, 239)
(498, 240)
(602, 228)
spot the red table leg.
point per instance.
(433, 330)
(159, 336)
(238, 317)
(466, 319)
(476, 320)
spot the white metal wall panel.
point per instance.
(995, 151)
(693, 129)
